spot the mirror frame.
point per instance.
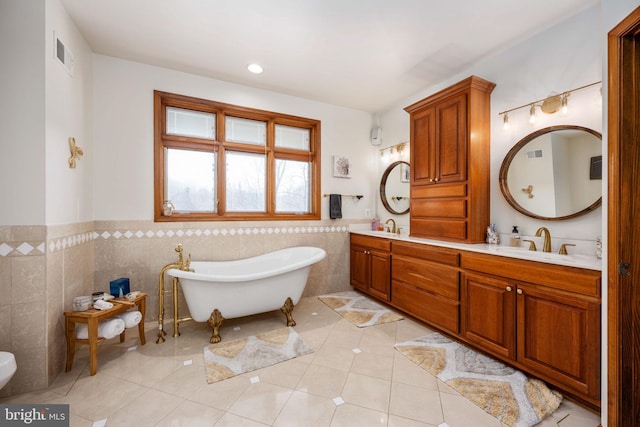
(383, 184)
(504, 169)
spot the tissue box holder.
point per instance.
(119, 287)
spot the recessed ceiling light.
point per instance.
(254, 68)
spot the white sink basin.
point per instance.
(525, 253)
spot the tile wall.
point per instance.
(42, 269)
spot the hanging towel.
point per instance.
(130, 318)
(335, 206)
(108, 329)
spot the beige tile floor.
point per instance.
(164, 385)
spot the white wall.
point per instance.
(22, 113)
(123, 135)
(561, 58)
(69, 105)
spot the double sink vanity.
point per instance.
(539, 311)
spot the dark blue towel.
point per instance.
(335, 206)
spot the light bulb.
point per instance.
(505, 121)
(532, 114)
(565, 107)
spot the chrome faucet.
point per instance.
(391, 229)
(547, 238)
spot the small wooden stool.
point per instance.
(92, 317)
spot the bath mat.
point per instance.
(503, 392)
(226, 360)
(358, 309)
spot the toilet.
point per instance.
(7, 367)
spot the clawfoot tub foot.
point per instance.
(215, 321)
(287, 309)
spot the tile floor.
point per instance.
(164, 385)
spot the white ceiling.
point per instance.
(363, 54)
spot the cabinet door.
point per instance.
(380, 276)
(423, 151)
(559, 336)
(359, 267)
(451, 134)
(488, 313)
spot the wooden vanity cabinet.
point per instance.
(426, 283)
(559, 337)
(450, 162)
(544, 318)
(370, 268)
(489, 313)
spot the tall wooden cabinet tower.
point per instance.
(450, 162)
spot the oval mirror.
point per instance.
(554, 173)
(394, 188)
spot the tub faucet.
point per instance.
(181, 264)
(389, 228)
(547, 238)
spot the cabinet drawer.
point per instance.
(371, 242)
(444, 208)
(438, 228)
(439, 190)
(436, 278)
(427, 252)
(434, 309)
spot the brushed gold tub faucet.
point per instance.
(181, 264)
(547, 238)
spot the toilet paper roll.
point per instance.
(108, 329)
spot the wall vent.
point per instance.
(63, 54)
(534, 154)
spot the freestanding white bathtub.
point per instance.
(216, 290)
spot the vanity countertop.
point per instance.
(590, 262)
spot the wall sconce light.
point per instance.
(394, 152)
(549, 105)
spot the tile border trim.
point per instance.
(35, 248)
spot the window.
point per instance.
(217, 161)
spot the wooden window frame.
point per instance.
(218, 146)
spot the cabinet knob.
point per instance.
(508, 288)
(430, 179)
(519, 291)
(436, 180)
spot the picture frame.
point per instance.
(342, 167)
(405, 173)
(595, 167)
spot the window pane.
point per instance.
(191, 180)
(191, 123)
(290, 137)
(293, 188)
(244, 130)
(246, 185)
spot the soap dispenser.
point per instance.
(515, 237)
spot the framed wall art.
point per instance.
(342, 167)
